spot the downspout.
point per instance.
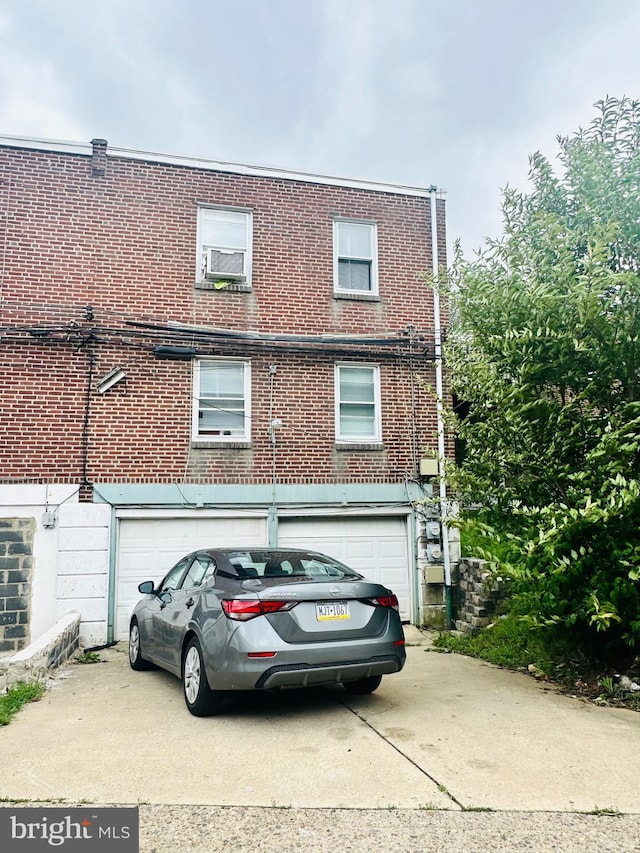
(274, 423)
(442, 482)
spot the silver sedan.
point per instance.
(262, 618)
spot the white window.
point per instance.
(358, 403)
(355, 257)
(222, 401)
(224, 245)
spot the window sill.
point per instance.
(234, 287)
(360, 445)
(356, 296)
(224, 444)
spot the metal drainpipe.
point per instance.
(440, 416)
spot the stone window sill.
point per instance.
(234, 287)
(357, 297)
(225, 445)
(359, 446)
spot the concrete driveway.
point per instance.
(446, 733)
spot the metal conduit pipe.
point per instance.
(444, 530)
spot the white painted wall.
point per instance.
(70, 560)
(83, 568)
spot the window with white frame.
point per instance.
(358, 404)
(222, 401)
(224, 245)
(355, 257)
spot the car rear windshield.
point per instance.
(288, 564)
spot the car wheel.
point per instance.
(363, 685)
(136, 660)
(200, 699)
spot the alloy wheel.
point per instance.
(134, 642)
(192, 674)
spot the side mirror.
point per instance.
(146, 587)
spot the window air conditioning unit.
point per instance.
(225, 263)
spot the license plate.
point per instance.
(327, 611)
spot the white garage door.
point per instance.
(149, 547)
(375, 546)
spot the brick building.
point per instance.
(199, 353)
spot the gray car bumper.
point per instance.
(306, 675)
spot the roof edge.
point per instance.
(86, 149)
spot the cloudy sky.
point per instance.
(456, 93)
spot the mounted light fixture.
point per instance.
(110, 379)
(180, 353)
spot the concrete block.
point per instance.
(433, 594)
(51, 649)
(91, 609)
(84, 515)
(93, 634)
(83, 562)
(434, 616)
(83, 538)
(82, 586)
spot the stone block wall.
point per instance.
(36, 662)
(16, 566)
(481, 596)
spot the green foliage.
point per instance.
(512, 642)
(509, 643)
(87, 657)
(478, 538)
(545, 350)
(610, 689)
(19, 694)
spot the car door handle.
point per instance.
(190, 603)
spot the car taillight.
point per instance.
(390, 600)
(243, 609)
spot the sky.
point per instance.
(456, 93)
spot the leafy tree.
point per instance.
(545, 352)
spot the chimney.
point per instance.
(99, 158)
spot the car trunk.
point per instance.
(326, 611)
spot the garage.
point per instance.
(376, 546)
(149, 546)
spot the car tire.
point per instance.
(199, 698)
(363, 685)
(136, 661)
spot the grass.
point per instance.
(509, 643)
(476, 809)
(21, 800)
(87, 657)
(606, 812)
(512, 643)
(18, 695)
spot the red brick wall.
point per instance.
(125, 244)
